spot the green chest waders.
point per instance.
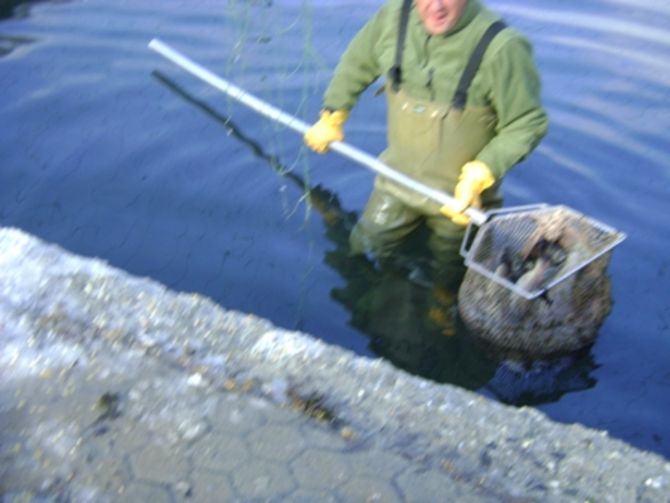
(429, 141)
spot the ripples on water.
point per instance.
(112, 152)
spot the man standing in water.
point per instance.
(463, 108)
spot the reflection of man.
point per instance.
(461, 113)
(404, 321)
(396, 314)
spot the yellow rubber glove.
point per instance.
(326, 130)
(475, 178)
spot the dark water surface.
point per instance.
(112, 152)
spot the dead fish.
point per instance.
(542, 263)
(551, 251)
(536, 276)
(511, 266)
(544, 259)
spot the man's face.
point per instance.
(438, 16)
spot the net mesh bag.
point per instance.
(557, 258)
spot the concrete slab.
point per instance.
(114, 388)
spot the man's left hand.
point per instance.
(474, 179)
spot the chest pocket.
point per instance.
(414, 125)
(431, 141)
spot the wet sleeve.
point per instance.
(516, 98)
(358, 67)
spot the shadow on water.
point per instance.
(407, 319)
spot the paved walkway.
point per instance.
(88, 432)
(113, 388)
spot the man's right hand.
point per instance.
(326, 130)
(474, 179)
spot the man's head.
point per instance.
(439, 16)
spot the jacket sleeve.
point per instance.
(358, 67)
(515, 96)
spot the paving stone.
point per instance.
(108, 473)
(142, 492)
(322, 435)
(11, 445)
(208, 486)
(321, 469)
(310, 496)
(263, 479)
(220, 452)
(278, 443)
(376, 463)
(77, 409)
(21, 474)
(20, 497)
(131, 436)
(418, 486)
(235, 415)
(284, 414)
(368, 490)
(157, 463)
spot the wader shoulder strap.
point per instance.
(395, 73)
(461, 94)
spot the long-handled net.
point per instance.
(537, 280)
(530, 249)
(525, 250)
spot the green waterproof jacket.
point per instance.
(507, 80)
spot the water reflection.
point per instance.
(7, 8)
(9, 43)
(543, 381)
(20, 8)
(596, 23)
(17, 9)
(409, 320)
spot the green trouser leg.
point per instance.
(386, 221)
(383, 225)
